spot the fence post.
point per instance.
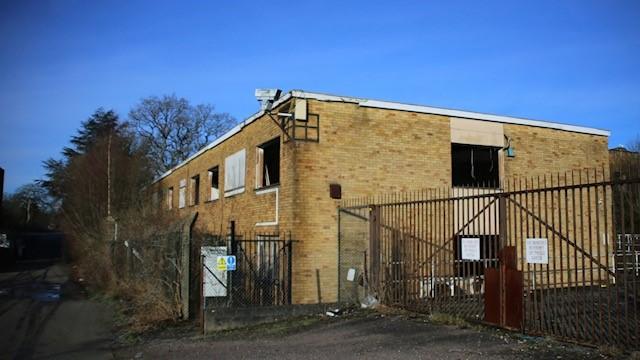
(502, 235)
(289, 259)
(202, 297)
(374, 247)
(233, 248)
(185, 255)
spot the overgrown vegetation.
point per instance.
(120, 244)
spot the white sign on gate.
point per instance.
(215, 280)
(470, 248)
(537, 251)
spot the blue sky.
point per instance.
(574, 62)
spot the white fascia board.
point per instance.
(236, 129)
(325, 97)
(449, 112)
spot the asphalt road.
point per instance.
(43, 315)
(357, 336)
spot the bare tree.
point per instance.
(29, 208)
(172, 129)
(625, 160)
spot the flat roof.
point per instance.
(390, 105)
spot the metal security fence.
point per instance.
(551, 255)
(260, 274)
(152, 258)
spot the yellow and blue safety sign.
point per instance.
(226, 263)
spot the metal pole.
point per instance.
(233, 247)
(289, 265)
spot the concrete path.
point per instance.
(45, 316)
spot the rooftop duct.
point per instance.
(266, 97)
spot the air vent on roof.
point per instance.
(266, 97)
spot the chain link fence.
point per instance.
(259, 273)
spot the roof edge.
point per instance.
(236, 129)
(390, 105)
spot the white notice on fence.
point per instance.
(215, 281)
(537, 251)
(470, 248)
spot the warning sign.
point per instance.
(226, 263)
(470, 248)
(215, 281)
(537, 251)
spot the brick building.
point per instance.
(273, 172)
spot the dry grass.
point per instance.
(144, 306)
(147, 292)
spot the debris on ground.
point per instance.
(333, 313)
(369, 302)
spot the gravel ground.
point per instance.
(356, 336)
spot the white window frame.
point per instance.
(194, 191)
(214, 192)
(182, 195)
(170, 198)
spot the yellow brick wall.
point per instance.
(368, 152)
(247, 208)
(373, 151)
(540, 151)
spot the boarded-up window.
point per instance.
(475, 166)
(214, 183)
(234, 173)
(182, 195)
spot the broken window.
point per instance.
(268, 163)
(214, 183)
(182, 195)
(170, 198)
(195, 190)
(475, 166)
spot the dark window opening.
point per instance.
(475, 166)
(268, 163)
(488, 256)
(195, 190)
(214, 183)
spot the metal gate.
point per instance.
(552, 255)
(262, 273)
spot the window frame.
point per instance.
(490, 179)
(182, 194)
(261, 170)
(194, 191)
(169, 200)
(210, 173)
(231, 169)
